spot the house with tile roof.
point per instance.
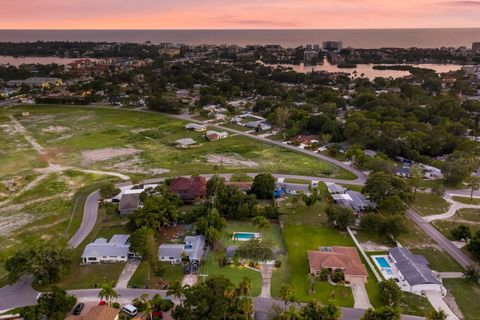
(190, 190)
(335, 258)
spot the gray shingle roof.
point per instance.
(413, 268)
(193, 248)
(129, 201)
(118, 246)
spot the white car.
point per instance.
(130, 310)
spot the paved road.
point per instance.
(18, 294)
(440, 239)
(90, 211)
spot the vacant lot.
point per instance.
(142, 143)
(429, 204)
(439, 260)
(466, 217)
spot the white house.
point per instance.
(414, 273)
(214, 135)
(103, 251)
(193, 249)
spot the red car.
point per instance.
(157, 315)
(102, 303)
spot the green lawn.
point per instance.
(299, 239)
(429, 204)
(297, 181)
(466, 295)
(415, 305)
(144, 276)
(232, 272)
(439, 260)
(467, 200)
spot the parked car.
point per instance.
(102, 303)
(187, 269)
(195, 268)
(130, 310)
(78, 309)
(115, 200)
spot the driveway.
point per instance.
(266, 270)
(127, 273)
(360, 295)
(436, 300)
(189, 280)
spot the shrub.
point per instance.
(116, 305)
(159, 270)
(278, 263)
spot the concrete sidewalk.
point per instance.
(266, 271)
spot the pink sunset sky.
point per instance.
(243, 14)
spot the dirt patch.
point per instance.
(370, 246)
(138, 130)
(8, 224)
(134, 165)
(92, 156)
(55, 129)
(231, 160)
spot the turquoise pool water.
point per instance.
(244, 235)
(382, 262)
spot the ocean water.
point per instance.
(358, 38)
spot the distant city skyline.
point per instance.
(246, 14)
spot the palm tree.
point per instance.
(262, 223)
(108, 293)
(311, 283)
(331, 311)
(287, 295)
(245, 286)
(147, 305)
(177, 290)
(437, 315)
(246, 306)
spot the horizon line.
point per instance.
(236, 29)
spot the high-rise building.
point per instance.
(476, 47)
(308, 47)
(332, 45)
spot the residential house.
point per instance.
(185, 143)
(195, 127)
(190, 190)
(345, 259)
(104, 312)
(103, 251)
(192, 248)
(129, 202)
(214, 135)
(306, 139)
(403, 172)
(334, 188)
(414, 271)
(354, 200)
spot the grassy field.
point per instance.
(428, 204)
(144, 277)
(466, 217)
(297, 181)
(232, 272)
(467, 200)
(67, 131)
(438, 260)
(466, 295)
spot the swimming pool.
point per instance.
(245, 236)
(382, 262)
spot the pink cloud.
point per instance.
(211, 14)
